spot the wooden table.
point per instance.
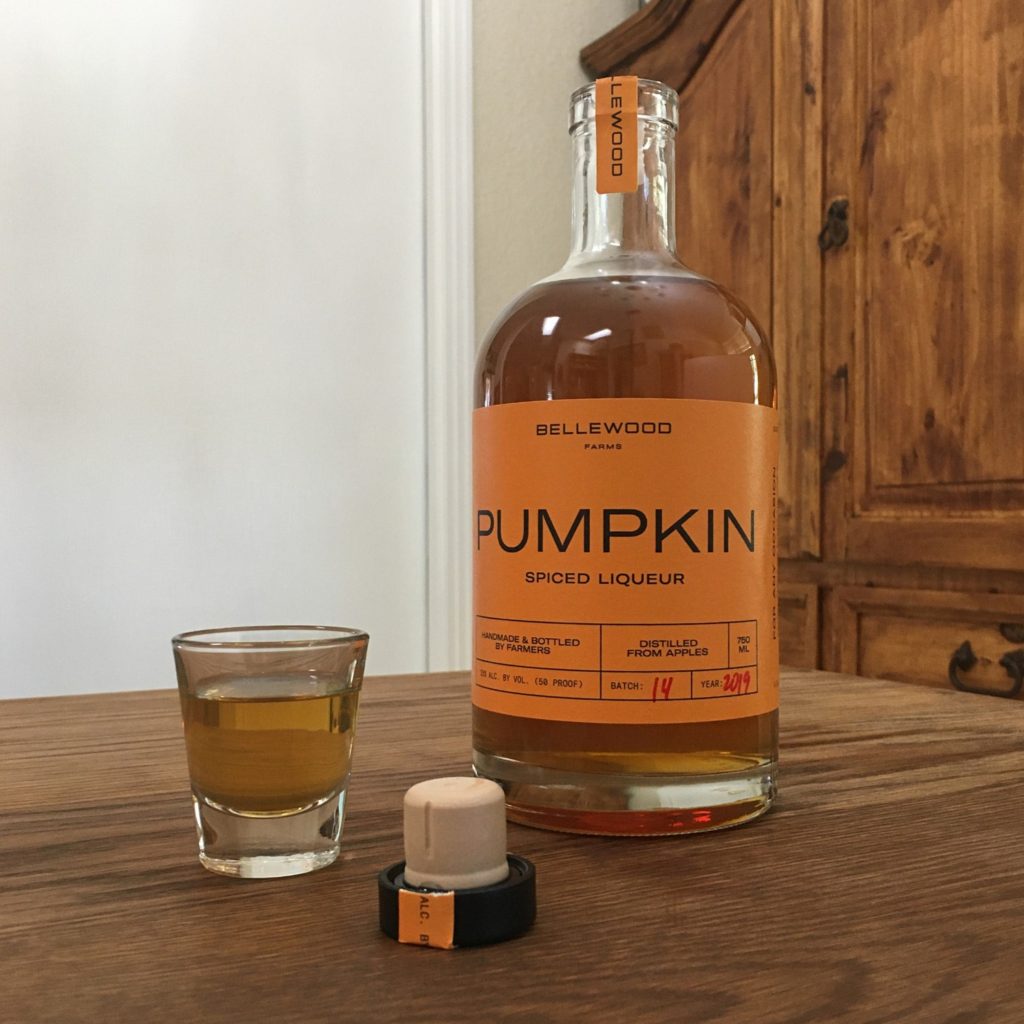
(887, 886)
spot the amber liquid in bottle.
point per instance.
(624, 319)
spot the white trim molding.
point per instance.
(450, 343)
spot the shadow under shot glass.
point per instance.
(270, 719)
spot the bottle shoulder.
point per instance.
(676, 335)
(683, 308)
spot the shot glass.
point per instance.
(270, 721)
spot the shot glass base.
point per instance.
(269, 867)
(268, 846)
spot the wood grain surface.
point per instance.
(887, 886)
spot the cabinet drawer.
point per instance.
(912, 635)
(798, 625)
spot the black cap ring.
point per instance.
(490, 913)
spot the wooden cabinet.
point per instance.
(855, 170)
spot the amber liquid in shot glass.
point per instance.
(273, 745)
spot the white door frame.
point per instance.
(449, 314)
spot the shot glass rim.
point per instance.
(333, 636)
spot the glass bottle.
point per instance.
(624, 320)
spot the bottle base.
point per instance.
(629, 805)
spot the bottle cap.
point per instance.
(457, 885)
(455, 834)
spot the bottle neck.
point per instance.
(631, 230)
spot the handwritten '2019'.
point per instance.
(736, 682)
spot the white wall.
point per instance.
(526, 65)
(211, 330)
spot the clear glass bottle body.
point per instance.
(625, 319)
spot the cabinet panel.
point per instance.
(911, 636)
(924, 307)
(942, 170)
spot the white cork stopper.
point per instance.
(455, 835)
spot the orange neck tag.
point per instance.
(426, 918)
(617, 157)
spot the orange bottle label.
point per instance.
(617, 147)
(625, 565)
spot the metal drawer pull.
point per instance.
(964, 659)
